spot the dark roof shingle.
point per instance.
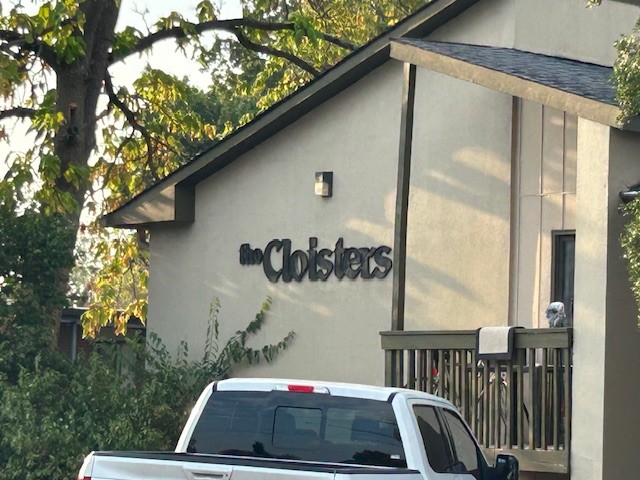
(580, 78)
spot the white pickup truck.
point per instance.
(290, 429)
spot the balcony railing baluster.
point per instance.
(521, 406)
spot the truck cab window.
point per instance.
(299, 426)
(433, 437)
(449, 446)
(464, 448)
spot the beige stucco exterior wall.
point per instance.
(490, 22)
(458, 227)
(544, 195)
(607, 340)
(459, 217)
(567, 28)
(462, 244)
(590, 300)
(269, 194)
(459, 208)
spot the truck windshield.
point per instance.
(299, 426)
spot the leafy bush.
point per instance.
(35, 250)
(630, 241)
(132, 398)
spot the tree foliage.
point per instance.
(630, 241)
(33, 253)
(626, 74)
(98, 143)
(123, 397)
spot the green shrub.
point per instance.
(630, 241)
(35, 252)
(53, 416)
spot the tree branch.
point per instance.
(129, 115)
(21, 112)
(11, 36)
(246, 43)
(338, 41)
(232, 26)
(41, 50)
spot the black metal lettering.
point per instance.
(352, 262)
(245, 248)
(383, 262)
(298, 265)
(313, 266)
(367, 254)
(272, 274)
(317, 264)
(325, 267)
(338, 252)
(286, 260)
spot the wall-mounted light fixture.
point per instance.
(631, 194)
(324, 184)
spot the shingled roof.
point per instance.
(580, 88)
(580, 78)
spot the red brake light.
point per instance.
(300, 388)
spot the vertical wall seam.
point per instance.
(540, 190)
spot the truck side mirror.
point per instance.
(507, 467)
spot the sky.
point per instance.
(163, 56)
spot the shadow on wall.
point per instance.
(472, 179)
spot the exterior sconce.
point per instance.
(324, 184)
(630, 194)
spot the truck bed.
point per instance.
(169, 465)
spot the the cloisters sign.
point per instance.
(280, 261)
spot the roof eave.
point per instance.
(600, 112)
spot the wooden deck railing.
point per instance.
(521, 406)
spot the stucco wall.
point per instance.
(458, 228)
(567, 28)
(564, 28)
(490, 22)
(269, 194)
(460, 239)
(459, 208)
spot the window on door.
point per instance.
(434, 439)
(464, 448)
(563, 268)
(448, 443)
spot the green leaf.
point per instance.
(206, 11)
